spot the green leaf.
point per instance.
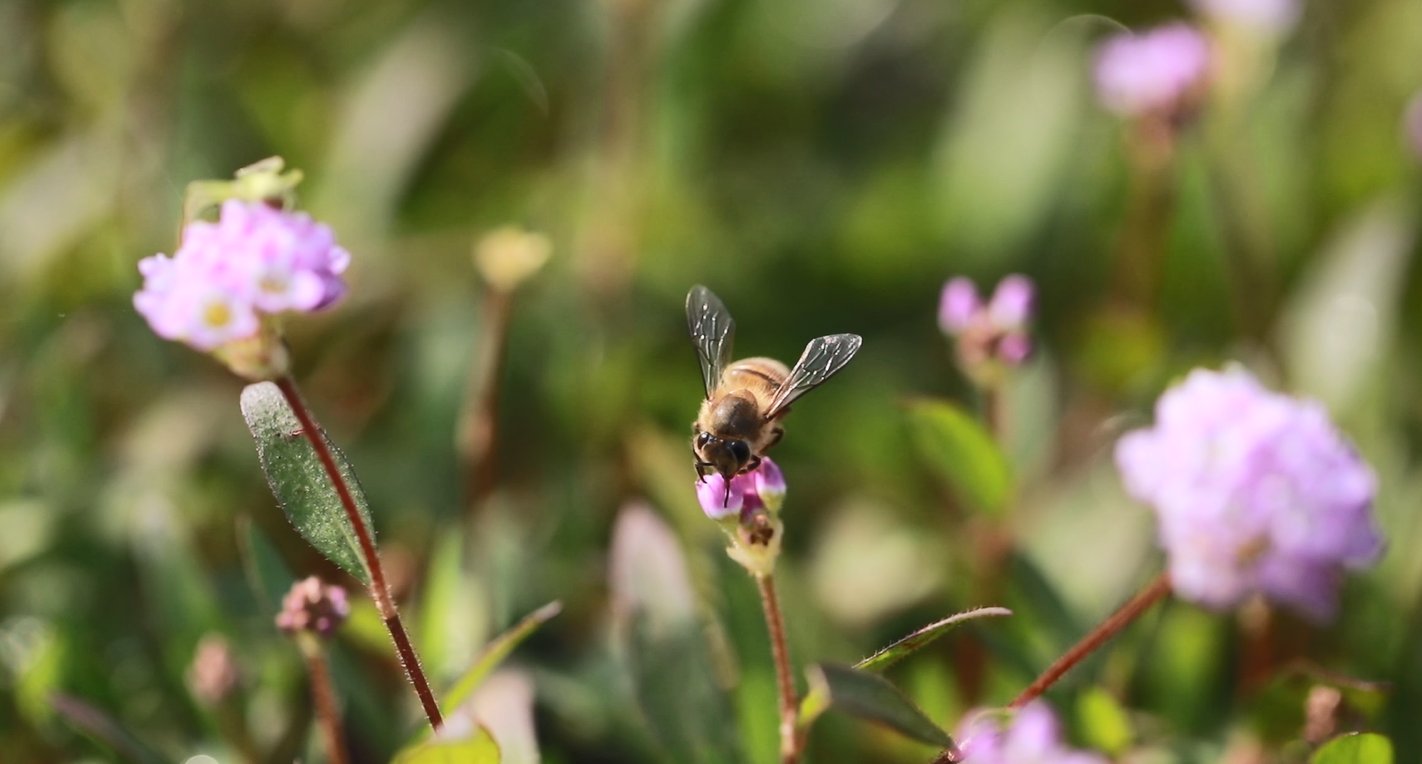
(957, 446)
(1357, 748)
(102, 728)
(480, 749)
(299, 482)
(867, 696)
(662, 644)
(919, 639)
(1104, 723)
(266, 573)
(496, 651)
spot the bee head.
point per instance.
(728, 455)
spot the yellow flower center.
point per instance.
(217, 314)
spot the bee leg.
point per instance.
(701, 471)
(752, 464)
(775, 436)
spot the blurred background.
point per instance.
(824, 166)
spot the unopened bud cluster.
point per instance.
(314, 607)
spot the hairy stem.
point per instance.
(784, 679)
(325, 698)
(1154, 592)
(379, 591)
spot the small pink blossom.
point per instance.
(990, 334)
(1254, 492)
(763, 487)
(1154, 72)
(1031, 737)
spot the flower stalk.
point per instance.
(327, 712)
(784, 678)
(379, 590)
(1153, 592)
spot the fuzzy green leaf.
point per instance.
(919, 639)
(299, 482)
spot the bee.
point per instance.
(747, 399)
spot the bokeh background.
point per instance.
(824, 166)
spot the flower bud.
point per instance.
(212, 676)
(313, 606)
(1155, 73)
(509, 256)
(989, 337)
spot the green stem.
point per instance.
(379, 591)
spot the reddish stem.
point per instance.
(325, 698)
(1155, 591)
(784, 680)
(379, 591)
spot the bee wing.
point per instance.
(712, 331)
(822, 358)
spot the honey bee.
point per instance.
(747, 399)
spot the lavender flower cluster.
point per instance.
(1256, 492)
(255, 261)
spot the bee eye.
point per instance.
(740, 450)
(703, 439)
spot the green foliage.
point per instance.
(958, 447)
(300, 483)
(921, 638)
(867, 696)
(1358, 748)
(496, 651)
(825, 166)
(478, 749)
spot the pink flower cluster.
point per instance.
(1032, 737)
(1154, 72)
(992, 331)
(254, 260)
(763, 486)
(1255, 492)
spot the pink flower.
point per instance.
(254, 261)
(763, 487)
(1156, 72)
(993, 333)
(1031, 737)
(1254, 491)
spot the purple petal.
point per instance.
(958, 305)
